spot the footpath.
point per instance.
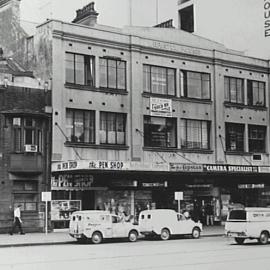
(62, 237)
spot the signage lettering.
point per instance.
(230, 168)
(266, 18)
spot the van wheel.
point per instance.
(196, 233)
(133, 236)
(165, 234)
(96, 238)
(264, 237)
(239, 241)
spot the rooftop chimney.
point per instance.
(87, 15)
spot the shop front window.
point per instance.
(256, 138)
(235, 137)
(159, 132)
(80, 126)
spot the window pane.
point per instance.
(256, 138)
(171, 82)
(111, 128)
(235, 137)
(79, 69)
(227, 88)
(120, 128)
(89, 127)
(112, 73)
(146, 79)
(69, 125)
(121, 75)
(159, 132)
(205, 86)
(79, 127)
(89, 70)
(70, 68)
(17, 140)
(103, 127)
(158, 80)
(29, 136)
(103, 73)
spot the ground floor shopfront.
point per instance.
(127, 192)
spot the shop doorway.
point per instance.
(163, 199)
(88, 200)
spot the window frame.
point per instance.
(147, 140)
(115, 124)
(107, 74)
(250, 92)
(149, 75)
(92, 125)
(257, 140)
(228, 139)
(183, 77)
(91, 62)
(227, 95)
(19, 130)
(185, 130)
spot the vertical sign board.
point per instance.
(46, 197)
(178, 196)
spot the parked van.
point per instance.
(167, 222)
(98, 225)
(248, 223)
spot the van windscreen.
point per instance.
(238, 215)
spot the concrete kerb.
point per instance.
(71, 241)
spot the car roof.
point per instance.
(158, 211)
(91, 212)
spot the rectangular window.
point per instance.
(195, 85)
(25, 193)
(112, 73)
(27, 131)
(256, 138)
(195, 134)
(255, 93)
(80, 126)
(235, 137)
(112, 128)
(160, 132)
(159, 80)
(80, 69)
(234, 90)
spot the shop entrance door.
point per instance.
(88, 200)
(163, 199)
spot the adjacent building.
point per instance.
(25, 143)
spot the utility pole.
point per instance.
(156, 12)
(130, 12)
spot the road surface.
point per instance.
(185, 254)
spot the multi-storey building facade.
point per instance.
(25, 128)
(140, 113)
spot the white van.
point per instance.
(248, 223)
(167, 222)
(98, 225)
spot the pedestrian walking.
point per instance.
(209, 210)
(17, 220)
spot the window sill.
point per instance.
(160, 149)
(80, 86)
(237, 153)
(112, 91)
(146, 94)
(243, 106)
(97, 146)
(196, 100)
(201, 151)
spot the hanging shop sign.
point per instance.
(155, 184)
(264, 169)
(250, 186)
(230, 168)
(72, 182)
(160, 107)
(178, 167)
(124, 183)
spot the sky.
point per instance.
(111, 12)
(238, 24)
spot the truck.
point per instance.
(248, 223)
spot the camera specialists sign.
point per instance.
(160, 107)
(230, 168)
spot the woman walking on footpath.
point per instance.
(17, 220)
